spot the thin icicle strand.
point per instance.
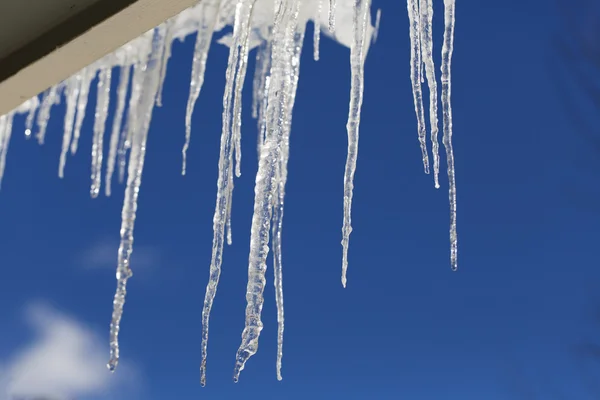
(210, 14)
(317, 31)
(426, 26)
(278, 115)
(116, 128)
(357, 64)
(72, 92)
(150, 82)
(377, 22)
(279, 197)
(241, 32)
(6, 122)
(102, 103)
(332, 7)
(87, 75)
(261, 87)
(237, 104)
(44, 114)
(415, 71)
(447, 49)
(165, 59)
(35, 103)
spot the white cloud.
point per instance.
(103, 254)
(64, 361)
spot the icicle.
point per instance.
(377, 22)
(87, 75)
(357, 63)
(447, 49)
(6, 122)
(116, 128)
(44, 114)
(165, 59)
(149, 87)
(261, 86)
(210, 13)
(415, 68)
(134, 100)
(102, 103)
(426, 10)
(279, 197)
(317, 31)
(332, 16)
(72, 93)
(35, 103)
(241, 32)
(278, 115)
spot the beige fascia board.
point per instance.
(77, 42)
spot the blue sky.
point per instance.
(505, 326)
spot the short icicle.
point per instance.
(426, 25)
(241, 32)
(73, 86)
(116, 128)
(278, 115)
(102, 103)
(415, 76)
(210, 13)
(447, 49)
(6, 122)
(149, 88)
(317, 31)
(357, 65)
(87, 75)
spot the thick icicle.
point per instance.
(357, 64)
(447, 49)
(426, 9)
(44, 114)
(415, 71)
(102, 103)
(6, 122)
(278, 115)
(210, 14)
(317, 31)
(72, 93)
(149, 87)
(87, 75)
(241, 32)
(332, 7)
(116, 128)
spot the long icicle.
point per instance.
(241, 32)
(357, 64)
(102, 103)
(72, 94)
(210, 14)
(279, 197)
(147, 98)
(278, 113)
(426, 9)
(447, 49)
(415, 72)
(116, 128)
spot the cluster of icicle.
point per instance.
(276, 29)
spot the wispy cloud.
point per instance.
(103, 254)
(64, 361)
